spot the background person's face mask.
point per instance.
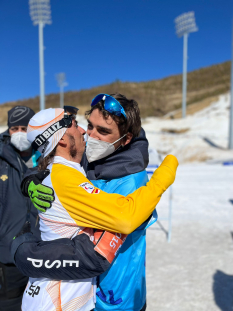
(19, 140)
(99, 149)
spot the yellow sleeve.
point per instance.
(105, 211)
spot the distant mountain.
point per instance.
(155, 98)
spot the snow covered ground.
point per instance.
(195, 270)
(205, 136)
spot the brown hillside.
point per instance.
(155, 98)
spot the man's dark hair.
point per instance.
(44, 162)
(133, 122)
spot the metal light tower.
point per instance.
(185, 23)
(231, 107)
(40, 13)
(61, 81)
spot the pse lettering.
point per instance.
(38, 263)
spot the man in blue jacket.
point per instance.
(115, 161)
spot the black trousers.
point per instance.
(12, 285)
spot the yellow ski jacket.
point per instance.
(91, 207)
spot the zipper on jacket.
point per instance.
(20, 164)
(27, 203)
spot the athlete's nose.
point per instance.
(81, 130)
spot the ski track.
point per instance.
(195, 270)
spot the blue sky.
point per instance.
(97, 42)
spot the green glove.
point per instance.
(41, 196)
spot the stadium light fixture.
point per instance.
(231, 105)
(185, 24)
(61, 81)
(40, 13)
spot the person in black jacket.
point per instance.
(16, 156)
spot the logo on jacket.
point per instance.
(38, 263)
(89, 188)
(4, 177)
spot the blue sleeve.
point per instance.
(128, 185)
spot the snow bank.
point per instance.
(200, 137)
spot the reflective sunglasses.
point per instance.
(110, 104)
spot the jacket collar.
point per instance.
(61, 160)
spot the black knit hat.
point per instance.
(19, 115)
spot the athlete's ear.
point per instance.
(63, 141)
(128, 139)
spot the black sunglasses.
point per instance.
(70, 109)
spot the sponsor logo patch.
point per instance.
(4, 177)
(89, 188)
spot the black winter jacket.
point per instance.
(13, 205)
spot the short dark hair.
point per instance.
(133, 122)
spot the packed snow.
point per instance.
(204, 138)
(195, 270)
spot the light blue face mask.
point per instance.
(99, 149)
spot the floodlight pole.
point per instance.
(61, 77)
(185, 24)
(184, 85)
(41, 64)
(61, 96)
(231, 105)
(40, 13)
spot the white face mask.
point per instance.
(99, 149)
(19, 140)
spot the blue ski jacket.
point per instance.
(123, 285)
